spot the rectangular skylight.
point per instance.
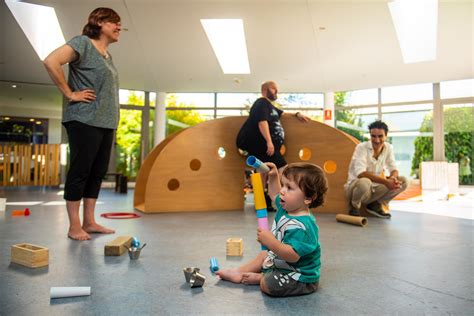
(40, 25)
(416, 23)
(227, 39)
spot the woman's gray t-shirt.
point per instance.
(93, 71)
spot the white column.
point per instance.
(438, 126)
(160, 118)
(329, 109)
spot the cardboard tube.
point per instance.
(256, 163)
(258, 193)
(60, 292)
(354, 220)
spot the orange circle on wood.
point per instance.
(330, 166)
(305, 154)
(173, 184)
(195, 164)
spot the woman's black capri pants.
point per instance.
(89, 148)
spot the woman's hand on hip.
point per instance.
(87, 95)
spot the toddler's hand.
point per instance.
(273, 168)
(264, 237)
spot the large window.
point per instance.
(234, 104)
(187, 109)
(310, 104)
(457, 89)
(459, 138)
(411, 135)
(128, 141)
(416, 92)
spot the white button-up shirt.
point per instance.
(363, 160)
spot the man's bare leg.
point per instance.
(90, 224)
(75, 230)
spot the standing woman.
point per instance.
(91, 115)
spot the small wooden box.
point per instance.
(235, 247)
(29, 255)
(116, 246)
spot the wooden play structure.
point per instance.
(201, 169)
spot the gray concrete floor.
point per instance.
(412, 264)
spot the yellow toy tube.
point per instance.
(258, 193)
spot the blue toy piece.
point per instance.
(214, 266)
(135, 242)
(254, 162)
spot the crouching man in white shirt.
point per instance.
(367, 185)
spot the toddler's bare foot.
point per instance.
(232, 275)
(97, 229)
(251, 278)
(78, 234)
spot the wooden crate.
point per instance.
(31, 256)
(116, 246)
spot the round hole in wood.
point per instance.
(173, 184)
(195, 164)
(305, 154)
(330, 166)
(221, 152)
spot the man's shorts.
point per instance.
(281, 284)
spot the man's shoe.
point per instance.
(375, 208)
(354, 212)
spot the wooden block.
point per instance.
(235, 247)
(29, 255)
(116, 246)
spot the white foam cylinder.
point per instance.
(60, 292)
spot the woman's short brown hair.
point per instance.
(310, 179)
(92, 28)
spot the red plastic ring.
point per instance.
(119, 215)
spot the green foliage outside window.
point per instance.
(458, 141)
(347, 116)
(187, 117)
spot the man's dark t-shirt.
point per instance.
(250, 138)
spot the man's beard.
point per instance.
(271, 96)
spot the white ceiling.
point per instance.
(166, 49)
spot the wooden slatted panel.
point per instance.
(36, 165)
(8, 159)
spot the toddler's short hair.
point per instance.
(310, 179)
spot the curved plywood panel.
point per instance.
(144, 172)
(328, 148)
(187, 172)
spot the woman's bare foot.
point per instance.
(78, 234)
(232, 275)
(95, 228)
(251, 278)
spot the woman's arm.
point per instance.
(54, 62)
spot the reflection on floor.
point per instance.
(459, 206)
(412, 264)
